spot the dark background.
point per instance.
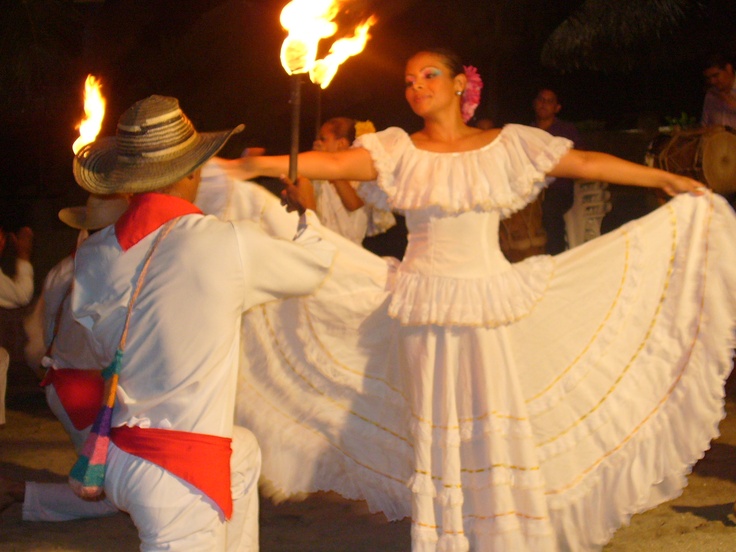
(616, 63)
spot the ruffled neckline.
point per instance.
(505, 174)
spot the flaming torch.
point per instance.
(94, 113)
(308, 22)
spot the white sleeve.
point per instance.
(17, 292)
(276, 268)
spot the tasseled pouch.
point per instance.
(87, 477)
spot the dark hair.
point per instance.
(342, 127)
(716, 59)
(551, 89)
(450, 58)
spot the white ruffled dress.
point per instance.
(354, 225)
(506, 407)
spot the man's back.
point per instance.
(179, 366)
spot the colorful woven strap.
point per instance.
(87, 476)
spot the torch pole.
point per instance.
(296, 100)
(318, 117)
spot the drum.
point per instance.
(522, 235)
(705, 154)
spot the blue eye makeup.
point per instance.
(428, 73)
(431, 73)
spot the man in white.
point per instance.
(15, 291)
(170, 463)
(72, 382)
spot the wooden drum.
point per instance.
(522, 235)
(705, 154)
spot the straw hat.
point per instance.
(155, 145)
(100, 211)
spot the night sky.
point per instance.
(220, 58)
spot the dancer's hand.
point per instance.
(677, 184)
(241, 169)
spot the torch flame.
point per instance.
(309, 21)
(323, 70)
(94, 113)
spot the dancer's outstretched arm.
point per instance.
(352, 164)
(594, 165)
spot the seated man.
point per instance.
(16, 290)
(72, 380)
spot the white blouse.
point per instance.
(454, 272)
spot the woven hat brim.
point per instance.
(99, 170)
(84, 218)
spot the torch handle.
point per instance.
(296, 100)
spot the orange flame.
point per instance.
(94, 113)
(323, 70)
(309, 21)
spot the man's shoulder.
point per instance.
(213, 230)
(565, 125)
(565, 129)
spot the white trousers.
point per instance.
(77, 436)
(57, 502)
(173, 515)
(4, 363)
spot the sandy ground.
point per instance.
(33, 446)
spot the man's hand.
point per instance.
(298, 196)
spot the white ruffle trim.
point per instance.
(309, 439)
(625, 304)
(495, 301)
(673, 438)
(422, 484)
(379, 221)
(587, 517)
(506, 533)
(504, 175)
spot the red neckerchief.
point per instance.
(148, 212)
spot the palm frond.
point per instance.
(614, 34)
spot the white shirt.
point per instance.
(17, 292)
(179, 368)
(332, 213)
(70, 347)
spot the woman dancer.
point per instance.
(337, 202)
(548, 400)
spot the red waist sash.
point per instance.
(199, 459)
(80, 393)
